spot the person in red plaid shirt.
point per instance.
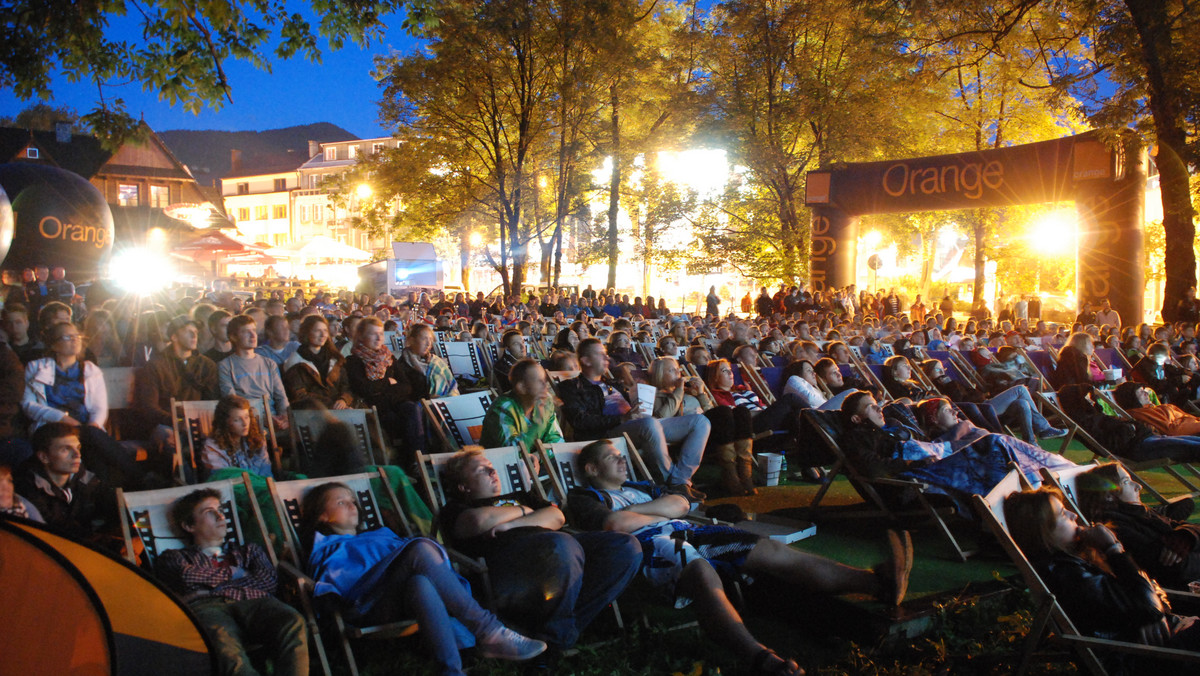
(229, 587)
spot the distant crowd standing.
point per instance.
(892, 381)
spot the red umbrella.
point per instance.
(214, 246)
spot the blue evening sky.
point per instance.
(339, 90)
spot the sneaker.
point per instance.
(506, 644)
(688, 491)
(1053, 433)
(893, 573)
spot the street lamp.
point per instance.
(475, 239)
(363, 191)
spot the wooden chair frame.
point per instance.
(144, 514)
(286, 496)
(866, 488)
(192, 421)
(1050, 615)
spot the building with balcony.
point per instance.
(283, 205)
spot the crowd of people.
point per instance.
(887, 376)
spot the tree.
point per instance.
(180, 50)
(652, 64)
(477, 102)
(800, 85)
(44, 117)
(1127, 63)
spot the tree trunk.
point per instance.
(614, 188)
(464, 248)
(789, 228)
(1153, 23)
(979, 230)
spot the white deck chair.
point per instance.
(192, 421)
(562, 460)
(287, 497)
(459, 420)
(307, 426)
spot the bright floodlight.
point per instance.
(872, 239)
(1053, 233)
(363, 191)
(140, 270)
(476, 239)
(705, 171)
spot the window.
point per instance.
(160, 196)
(303, 213)
(127, 195)
(353, 151)
(260, 212)
(32, 153)
(243, 188)
(279, 211)
(377, 148)
(330, 154)
(243, 213)
(314, 180)
(280, 184)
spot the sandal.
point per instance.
(768, 663)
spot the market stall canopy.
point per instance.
(214, 245)
(321, 247)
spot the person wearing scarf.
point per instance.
(426, 367)
(378, 379)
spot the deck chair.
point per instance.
(307, 426)
(395, 341)
(754, 379)
(881, 493)
(1183, 477)
(1049, 402)
(459, 420)
(1064, 481)
(286, 497)
(118, 381)
(193, 423)
(512, 468)
(146, 527)
(464, 361)
(561, 459)
(1050, 616)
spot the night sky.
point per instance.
(339, 90)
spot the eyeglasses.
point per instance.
(68, 337)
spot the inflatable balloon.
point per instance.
(51, 216)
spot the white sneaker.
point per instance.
(506, 644)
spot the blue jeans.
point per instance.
(652, 435)
(420, 584)
(1182, 449)
(556, 583)
(1016, 406)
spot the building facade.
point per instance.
(288, 205)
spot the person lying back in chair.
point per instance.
(682, 558)
(553, 583)
(877, 447)
(230, 589)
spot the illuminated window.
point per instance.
(279, 211)
(160, 196)
(330, 154)
(260, 212)
(127, 195)
(243, 214)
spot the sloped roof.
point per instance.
(83, 155)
